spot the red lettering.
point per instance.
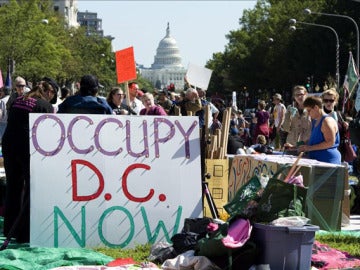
(91, 166)
(124, 183)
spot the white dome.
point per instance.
(167, 53)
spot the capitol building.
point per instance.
(167, 67)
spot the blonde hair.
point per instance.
(261, 139)
(20, 80)
(331, 92)
(262, 104)
(146, 96)
(297, 88)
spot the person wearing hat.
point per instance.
(86, 102)
(279, 117)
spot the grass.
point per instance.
(347, 243)
(140, 253)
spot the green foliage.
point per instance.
(263, 54)
(51, 49)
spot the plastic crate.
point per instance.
(284, 248)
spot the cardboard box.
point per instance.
(325, 184)
(218, 184)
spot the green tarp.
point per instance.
(23, 257)
(39, 258)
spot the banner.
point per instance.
(125, 65)
(350, 81)
(113, 181)
(198, 76)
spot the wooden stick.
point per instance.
(177, 110)
(218, 137)
(296, 171)
(227, 128)
(126, 86)
(206, 118)
(291, 172)
(224, 135)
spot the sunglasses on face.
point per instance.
(325, 100)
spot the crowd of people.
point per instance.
(310, 124)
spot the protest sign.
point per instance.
(125, 65)
(198, 76)
(112, 181)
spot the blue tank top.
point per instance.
(330, 155)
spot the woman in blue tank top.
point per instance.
(324, 139)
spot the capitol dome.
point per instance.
(167, 53)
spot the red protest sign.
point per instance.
(125, 65)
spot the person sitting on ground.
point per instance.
(261, 145)
(86, 102)
(235, 144)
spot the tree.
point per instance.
(52, 49)
(30, 43)
(253, 60)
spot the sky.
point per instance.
(199, 27)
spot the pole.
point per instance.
(308, 11)
(337, 48)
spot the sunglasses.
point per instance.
(20, 86)
(328, 100)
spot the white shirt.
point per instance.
(136, 105)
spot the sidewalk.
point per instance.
(354, 224)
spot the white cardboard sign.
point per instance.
(113, 181)
(198, 76)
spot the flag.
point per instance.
(8, 82)
(1, 80)
(350, 81)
